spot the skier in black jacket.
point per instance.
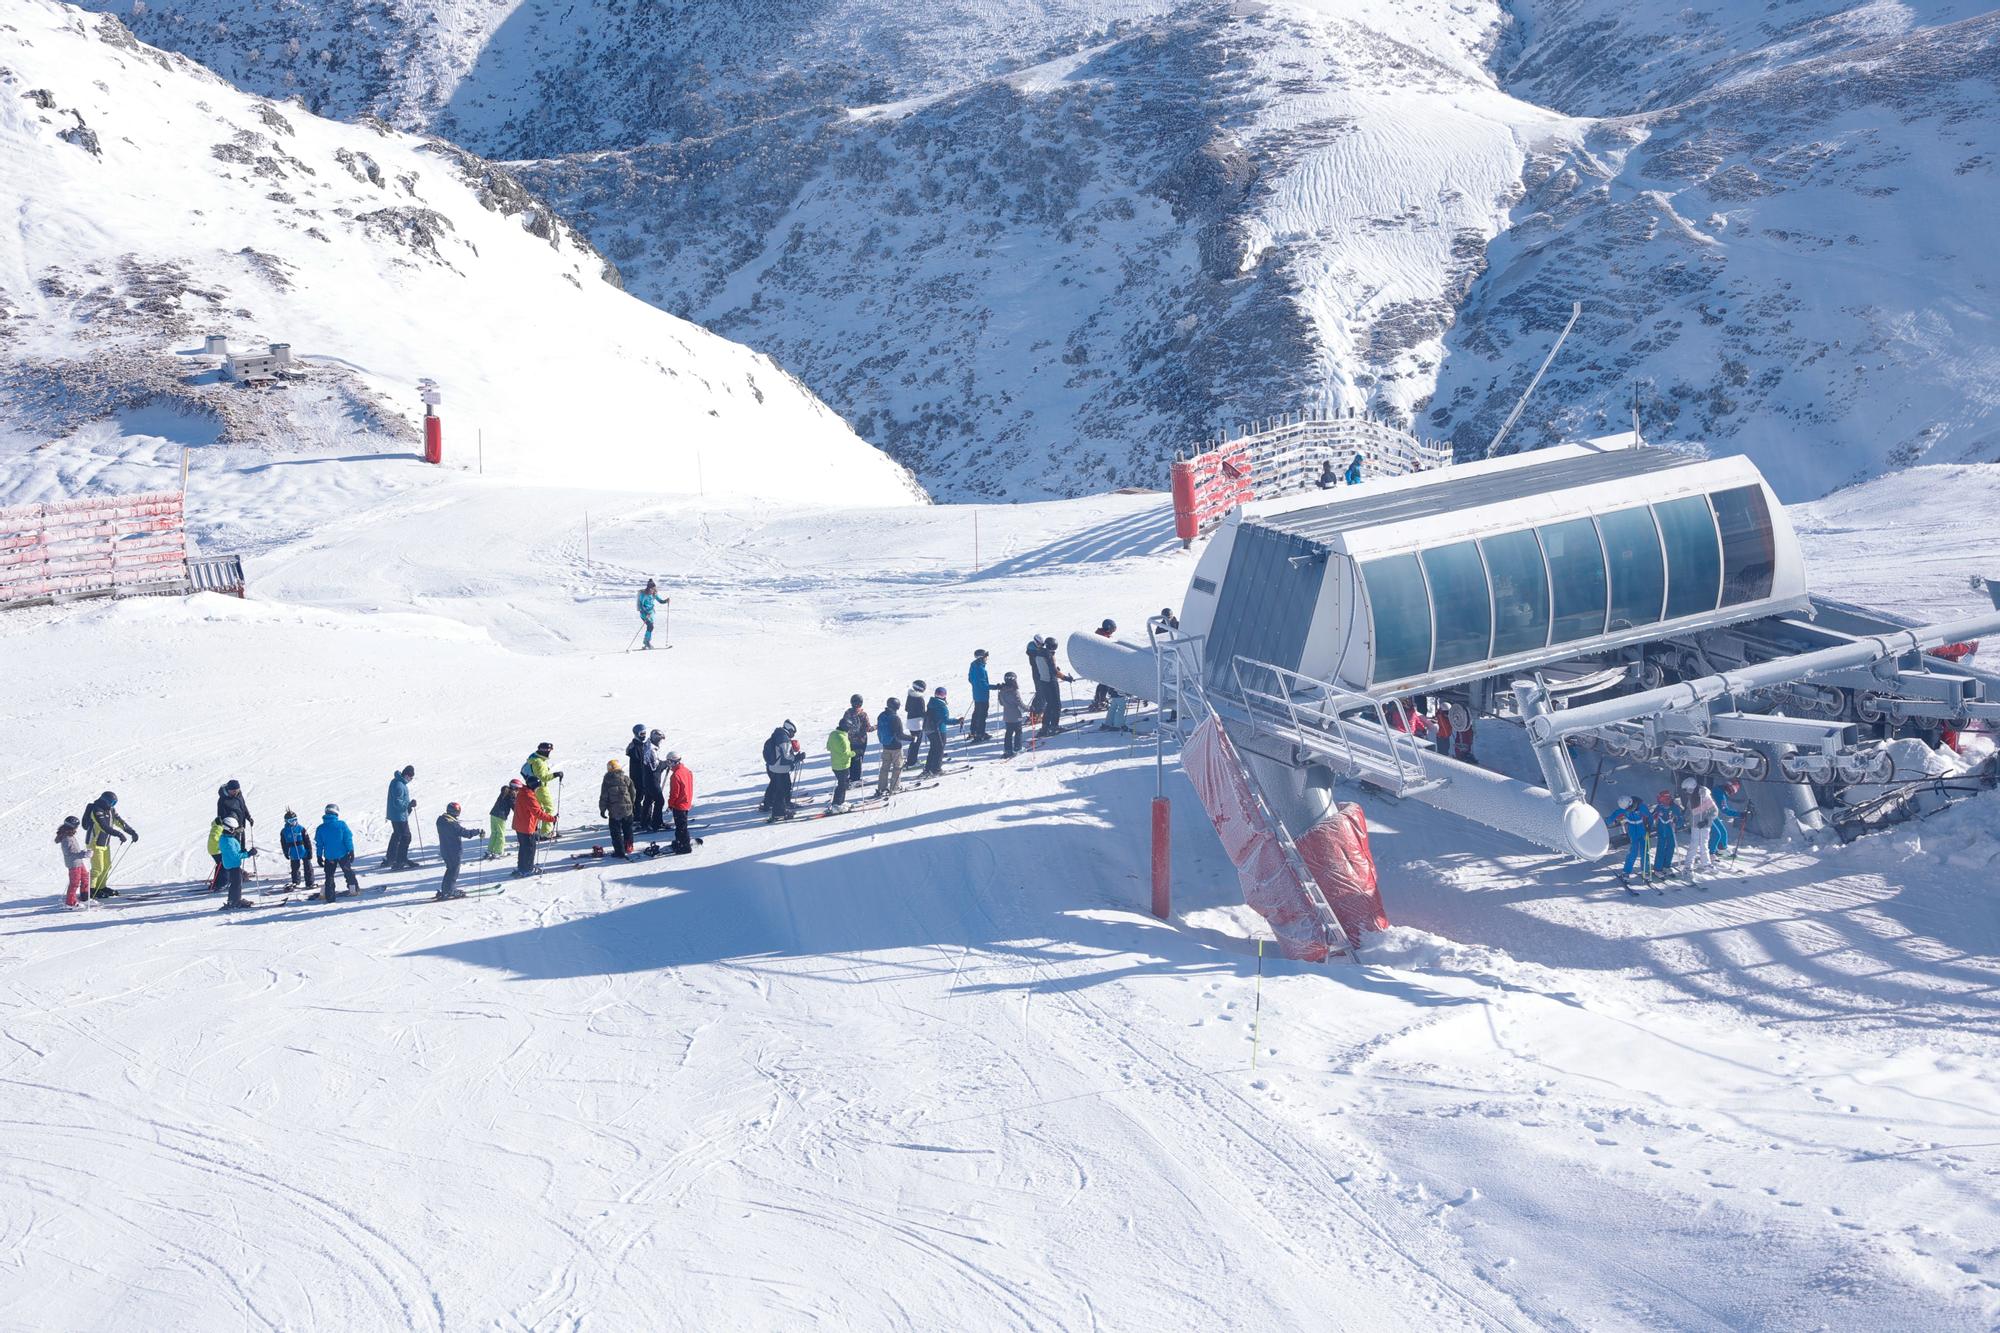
(781, 759)
(857, 724)
(451, 847)
(229, 803)
(913, 716)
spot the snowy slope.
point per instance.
(166, 205)
(930, 1066)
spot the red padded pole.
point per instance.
(1163, 881)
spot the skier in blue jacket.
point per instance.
(889, 730)
(1633, 816)
(1666, 812)
(1718, 832)
(297, 844)
(336, 850)
(1354, 471)
(982, 689)
(400, 806)
(649, 600)
(937, 720)
(230, 849)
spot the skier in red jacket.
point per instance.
(680, 800)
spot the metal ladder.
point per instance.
(1348, 732)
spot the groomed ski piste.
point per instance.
(932, 1065)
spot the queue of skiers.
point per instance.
(529, 803)
(1653, 832)
(917, 728)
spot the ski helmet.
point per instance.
(654, 735)
(232, 785)
(1109, 626)
(638, 728)
(229, 822)
(1666, 798)
(979, 652)
(672, 759)
(71, 822)
(1732, 786)
(451, 807)
(611, 766)
(917, 685)
(1627, 802)
(333, 810)
(939, 691)
(892, 705)
(1687, 784)
(791, 727)
(514, 782)
(1011, 677)
(108, 798)
(291, 814)
(546, 747)
(854, 701)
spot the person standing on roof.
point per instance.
(649, 601)
(400, 809)
(616, 800)
(893, 735)
(297, 845)
(913, 714)
(102, 823)
(451, 848)
(857, 724)
(1354, 471)
(497, 817)
(537, 766)
(1329, 475)
(982, 691)
(335, 842)
(937, 721)
(680, 799)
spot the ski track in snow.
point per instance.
(928, 1065)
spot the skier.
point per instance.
(76, 861)
(451, 848)
(649, 600)
(982, 690)
(840, 756)
(1665, 813)
(497, 817)
(229, 801)
(657, 768)
(335, 842)
(1354, 470)
(857, 724)
(645, 780)
(1329, 476)
(297, 846)
(1701, 815)
(102, 823)
(1102, 698)
(893, 735)
(536, 766)
(1048, 684)
(616, 800)
(1718, 833)
(1012, 713)
(781, 757)
(216, 879)
(231, 850)
(680, 800)
(400, 806)
(530, 818)
(913, 714)
(1632, 815)
(937, 721)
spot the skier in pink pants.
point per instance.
(76, 860)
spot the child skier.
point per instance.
(649, 601)
(1665, 813)
(840, 756)
(230, 848)
(1632, 815)
(1013, 713)
(217, 879)
(335, 843)
(76, 861)
(497, 817)
(297, 845)
(451, 848)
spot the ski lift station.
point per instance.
(1615, 596)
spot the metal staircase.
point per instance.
(1348, 732)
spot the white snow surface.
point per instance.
(930, 1066)
(166, 205)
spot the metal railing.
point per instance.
(1332, 724)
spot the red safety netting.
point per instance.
(1336, 851)
(1208, 486)
(74, 548)
(1270, 879)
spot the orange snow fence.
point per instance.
(1336, 851)
(1270, 882)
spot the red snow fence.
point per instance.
(1208, 486)
(1336, 851)
(1255, 844)
(105, 546)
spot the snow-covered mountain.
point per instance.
(163, 205)
(1029, 247)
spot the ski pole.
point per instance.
(635, 637)
(1257, 1011)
